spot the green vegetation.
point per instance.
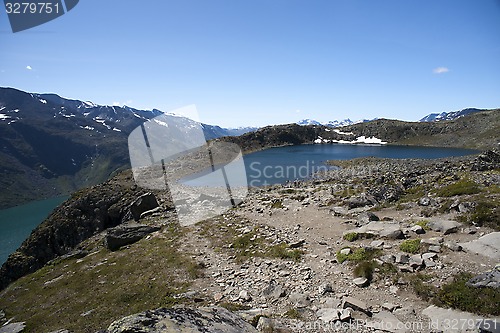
(293, 313)
(424, 224)
(485, 213)
(365, 269)
(276, 204)
(461, 187)
(103, 286)
(359, 254)
(410, 245)
(231, 306)
(351, 236)
(421, 287)
(456, 294)
(283, 251)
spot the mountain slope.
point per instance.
(52, 145)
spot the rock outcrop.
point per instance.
(183, 319)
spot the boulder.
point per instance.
(381, 229)
(387, 322)
(444, 226)
(142, 204)
(271, 325)
(360, 282)
(487, 245)
(183, 319)
(487, 279)
(273, 290)
(356, 304)
(127, 234)
(367, 217)
(328, 314)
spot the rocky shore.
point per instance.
(377, 246)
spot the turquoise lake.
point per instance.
(270, 166)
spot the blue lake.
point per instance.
(271, 166)
(16, 223)
(281, 164)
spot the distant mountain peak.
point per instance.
(434, 117)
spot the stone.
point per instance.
(297, 244)
(360, 282)
(183, 319)
(486, 279)
(389, 230)
(273, 290)
(345, 314)
(356, 304)
(144, 203)
(487, 245)
(387, 322)
(388, 259)
(402, 258)
(367, 217)
(271, 325)
(61, 331)
(389, 306)
(417, 229)
(426, 201)
(444, 226)
(377, 243)
(432, 241)
(244, 296)
(416, 261)
(328, 314)
(13, 328)
(218, 297)
(299, 300)
(441, 317)
(345, 251)
(429, 255)
(435, 248)
(339, 211)
(126, 234)
(453, 246)
(325, 288)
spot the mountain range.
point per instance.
(52, 145)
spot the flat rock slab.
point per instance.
(444, 226)
(448, 320)
(381, 229)
(193, 320)
(127, 234)
(387, 322)
(488, 245)
(12, 328)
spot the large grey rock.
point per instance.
(271, 325)
(441, 319)
(381, 229)
(142, 204)
(183, 319)
(13, 328)
(356, 304)
(127, 234)
(387, 322)
(328, 314)
(487, 279)
(444, 226)
(488, 245)
(367, 217)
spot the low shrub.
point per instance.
(410, 246)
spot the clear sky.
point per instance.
(259, 62)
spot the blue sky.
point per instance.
(265, 62)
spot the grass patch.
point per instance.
(365, 269)
(424, 224)
(359, 254)
(485, 213)
(456, 294)
(231, 306)
(421, 287)
(277, 204)
(410, 246)
(104, 286)
(351, 236)
(283, 251)
(461, 187)
(293, 313)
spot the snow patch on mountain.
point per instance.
(435, 117)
